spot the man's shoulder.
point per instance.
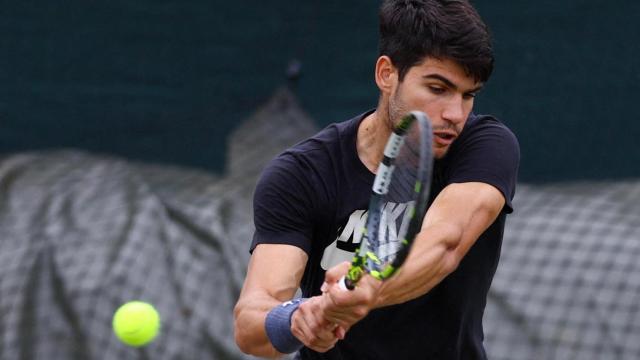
(321, 165)
(328, 145)
(487, 123)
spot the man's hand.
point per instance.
(347, 307)
(312, 329)
(323, 320)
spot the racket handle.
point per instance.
(345, 284)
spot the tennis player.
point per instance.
(310, 203)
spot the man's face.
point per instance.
(442, 90)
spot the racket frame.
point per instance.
(366, 260)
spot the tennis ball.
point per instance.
(136, 323)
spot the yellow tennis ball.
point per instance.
(136, 323)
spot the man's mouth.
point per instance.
(443, 137)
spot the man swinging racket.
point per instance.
(312, 203)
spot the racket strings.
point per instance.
(399, 202)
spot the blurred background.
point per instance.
(167, 81)
(116, 120)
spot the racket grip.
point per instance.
(345, 284)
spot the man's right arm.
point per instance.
(273, 276)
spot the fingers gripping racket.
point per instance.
(398, 203)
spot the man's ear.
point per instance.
(386, 75)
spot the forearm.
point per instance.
(250, 333)
(455, 220)
(273, 276)
(432, 257)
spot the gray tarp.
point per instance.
(82, 233)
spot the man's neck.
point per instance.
(372, 137)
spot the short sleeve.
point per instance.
(488, 153)
(283, 205)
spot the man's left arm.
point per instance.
(455, 220)
(453, 223)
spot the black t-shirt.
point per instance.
(315, 195)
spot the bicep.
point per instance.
(274, 271)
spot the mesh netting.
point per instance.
(80, 234)
(568, 283)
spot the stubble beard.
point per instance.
(396, 110)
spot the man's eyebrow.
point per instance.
(450, 83)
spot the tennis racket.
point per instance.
(398, 203)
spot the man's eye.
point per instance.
(436, 89)
(470, 95)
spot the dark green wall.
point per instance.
(568, 82)
(167, 80)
